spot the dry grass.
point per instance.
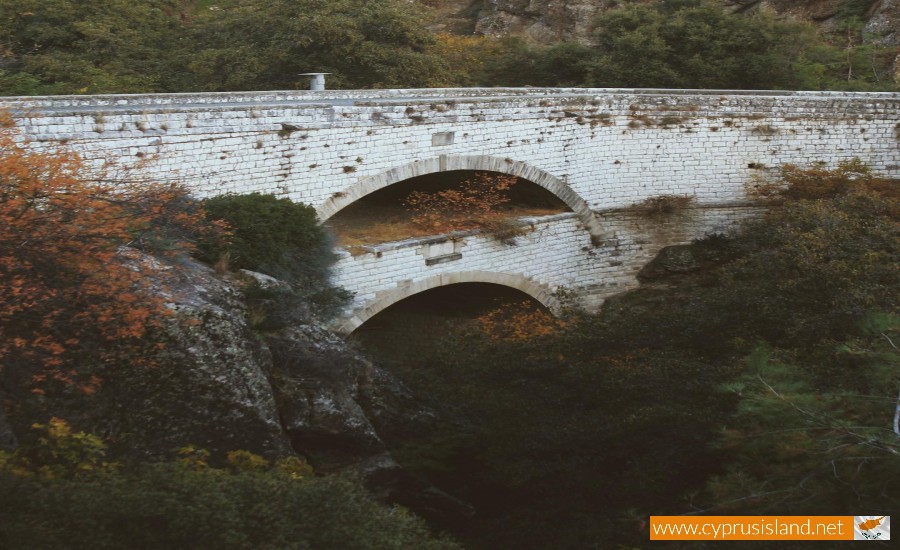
(662, 204)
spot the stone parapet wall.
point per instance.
(613, 148)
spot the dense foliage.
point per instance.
(282, 239)
(60, 493)
(682, 44)
(274, 236)
(765, 382)
(69, 46)
(264, 44)
(817, 288)
(106, 46)
(694, 44)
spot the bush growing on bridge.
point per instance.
(274, 236)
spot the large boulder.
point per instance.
(210, 387)
(218, 384)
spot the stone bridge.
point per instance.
(600, 151)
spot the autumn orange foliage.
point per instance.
(519, 322)
(468, 57)
(465, 55)
(70, 299)
(472, 205)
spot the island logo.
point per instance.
(871, 527)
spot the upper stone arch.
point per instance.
(404, 289)
(446, 163)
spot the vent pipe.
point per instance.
(316, 80)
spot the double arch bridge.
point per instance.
(599, 151)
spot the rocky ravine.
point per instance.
(546, 21)
(221, 386)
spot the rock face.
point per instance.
(680, 261)
(543, 21)
(336, 407)
(546, 21)
(210, 388)
(884, 25)
(222, 386)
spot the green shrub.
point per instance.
(48, 504)
(282, 239)
(274, 236)
(170, 506)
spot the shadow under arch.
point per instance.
(446, 163)
(386, 298)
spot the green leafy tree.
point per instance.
(275, 236)
(849, 60)
(803, 442)
(282, 239)
(260, 44)
(695, 44)
(73, 46)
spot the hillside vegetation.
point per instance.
(753, 373)
(114, 46)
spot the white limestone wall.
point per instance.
(612, 147)
(556, 253)
(602, 150)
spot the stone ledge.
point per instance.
(444, 259)
(330, 97)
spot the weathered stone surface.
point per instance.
(335, 404)
(206, 385)
(884, 25)
(669, 279)
(679, 260)
(211, 387)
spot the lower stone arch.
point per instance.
(404, 289)
(445, 163)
